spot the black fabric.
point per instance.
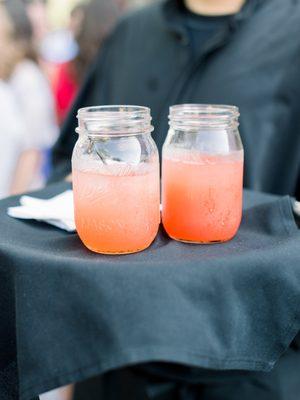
(151, 382)
(254, 63)
(201, 29)
(78, 314)
(8, 362)
(121, 384)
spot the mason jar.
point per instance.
(202, 174)
(115, 171)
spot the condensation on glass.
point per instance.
(202, 173)
(115, 168)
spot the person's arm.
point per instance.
(26, 168)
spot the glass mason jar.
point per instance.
(115, 169)
(202, 174)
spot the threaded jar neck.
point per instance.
(114, 120)
(197, 116)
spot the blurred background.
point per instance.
(46, 47)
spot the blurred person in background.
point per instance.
(32, 102)
(53, 41)
(90, 23)
(239, 52)
(37, 13)
(64, 83)
(12, 130)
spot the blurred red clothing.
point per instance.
(65, 89)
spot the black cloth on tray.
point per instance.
(77, 314)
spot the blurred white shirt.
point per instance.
(11, 136)
(35, 102)
(27, 120)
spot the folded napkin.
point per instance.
(297, 208)
(57, 211)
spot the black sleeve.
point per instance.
(93, 92)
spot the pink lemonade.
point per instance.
(202, 195)
(117, 213)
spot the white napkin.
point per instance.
(57, 211)
(297, 208)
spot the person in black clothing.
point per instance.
(243, 53)
(168, 53)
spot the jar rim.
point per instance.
(206, 109)
(114, 120)
(188, 116)
(112, 111)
